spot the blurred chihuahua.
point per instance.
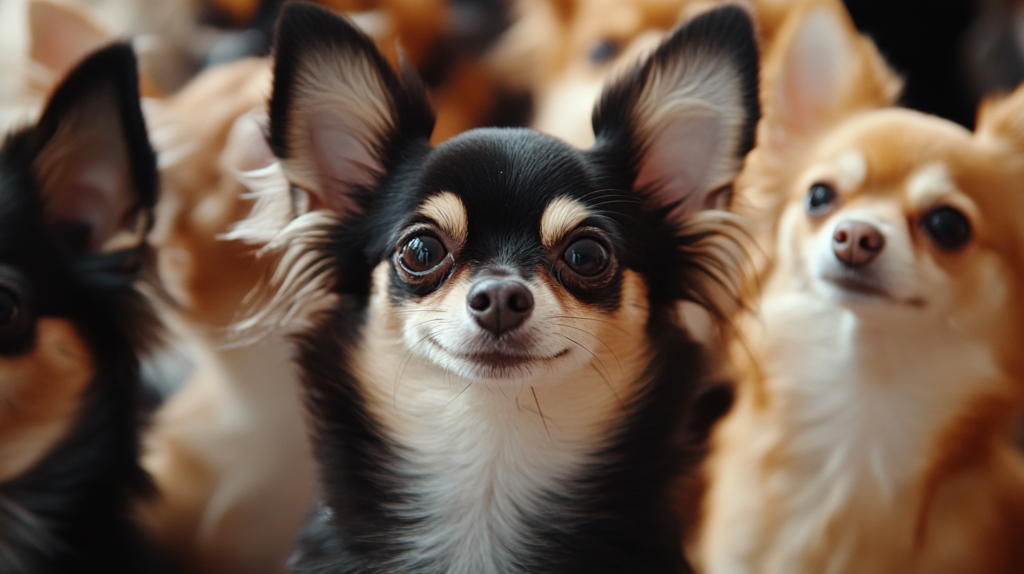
(874, 432)
(565, 50)
(75, 202)
(497, 377)
(228, 451)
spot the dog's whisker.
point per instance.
(410, 311)
(403, 364)
(543, 420)
(607, 346)
(609, 385)
(408, 329)
(457, 396)
(577, 318)
(606, 376)
(590, 352)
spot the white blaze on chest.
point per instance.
(481, 457)
(857, 410)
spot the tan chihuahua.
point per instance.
(228, 451)
(872, 432)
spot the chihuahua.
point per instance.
(228, 450)
(76, 195)
(493, 369)
(563, 51)
(872, 430)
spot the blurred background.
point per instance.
(495, 59)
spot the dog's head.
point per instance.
(900, 216)
(76, 190)
(564, 51)
(504, 252)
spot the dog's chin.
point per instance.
(851, 286)
(855, 289)
(483, 364)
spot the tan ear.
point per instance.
(1003, 118)
(820, 70)
(62, 32)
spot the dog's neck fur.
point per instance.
(863, 425)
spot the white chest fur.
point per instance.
(834, 464)
(482, 456)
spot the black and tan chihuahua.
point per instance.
(76, 193)
(496, 371)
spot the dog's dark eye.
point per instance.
(603, 51)
(586, 257)
(820, 198)
(9, 307)
(423, 253)
(15, 320)
(947, 227)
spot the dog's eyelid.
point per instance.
(583, 231)
(953, 200)
(426, 226)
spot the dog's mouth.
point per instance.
(869, 288)
(499, 360)
(858, 284)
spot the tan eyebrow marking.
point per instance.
(447, 210)
(560, 217)
(853, 170)
(928, 183)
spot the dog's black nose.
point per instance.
(856, 243)
(500, 305)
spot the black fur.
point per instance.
(69, 513)
(615, 516)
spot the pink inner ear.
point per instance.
(84, 175)
(815, 71)
(343, 162)
(679, 160)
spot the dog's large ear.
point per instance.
(1002, 119)
(1000, 125)
(818, 71)
(339, 116)
(685, 116)
(95, 169)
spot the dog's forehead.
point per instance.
(506, 179)
(889, 146)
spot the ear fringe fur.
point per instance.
(300, 278)
(716, 246)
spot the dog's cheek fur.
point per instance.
(41, 394)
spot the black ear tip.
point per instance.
(727, 27)
(115, 61)
(298, 12)
(117, 54)
(303, 24)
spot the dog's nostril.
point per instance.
(500, 305)
(871, 241)
(520, 300)
(857, 243)
(480, 301)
